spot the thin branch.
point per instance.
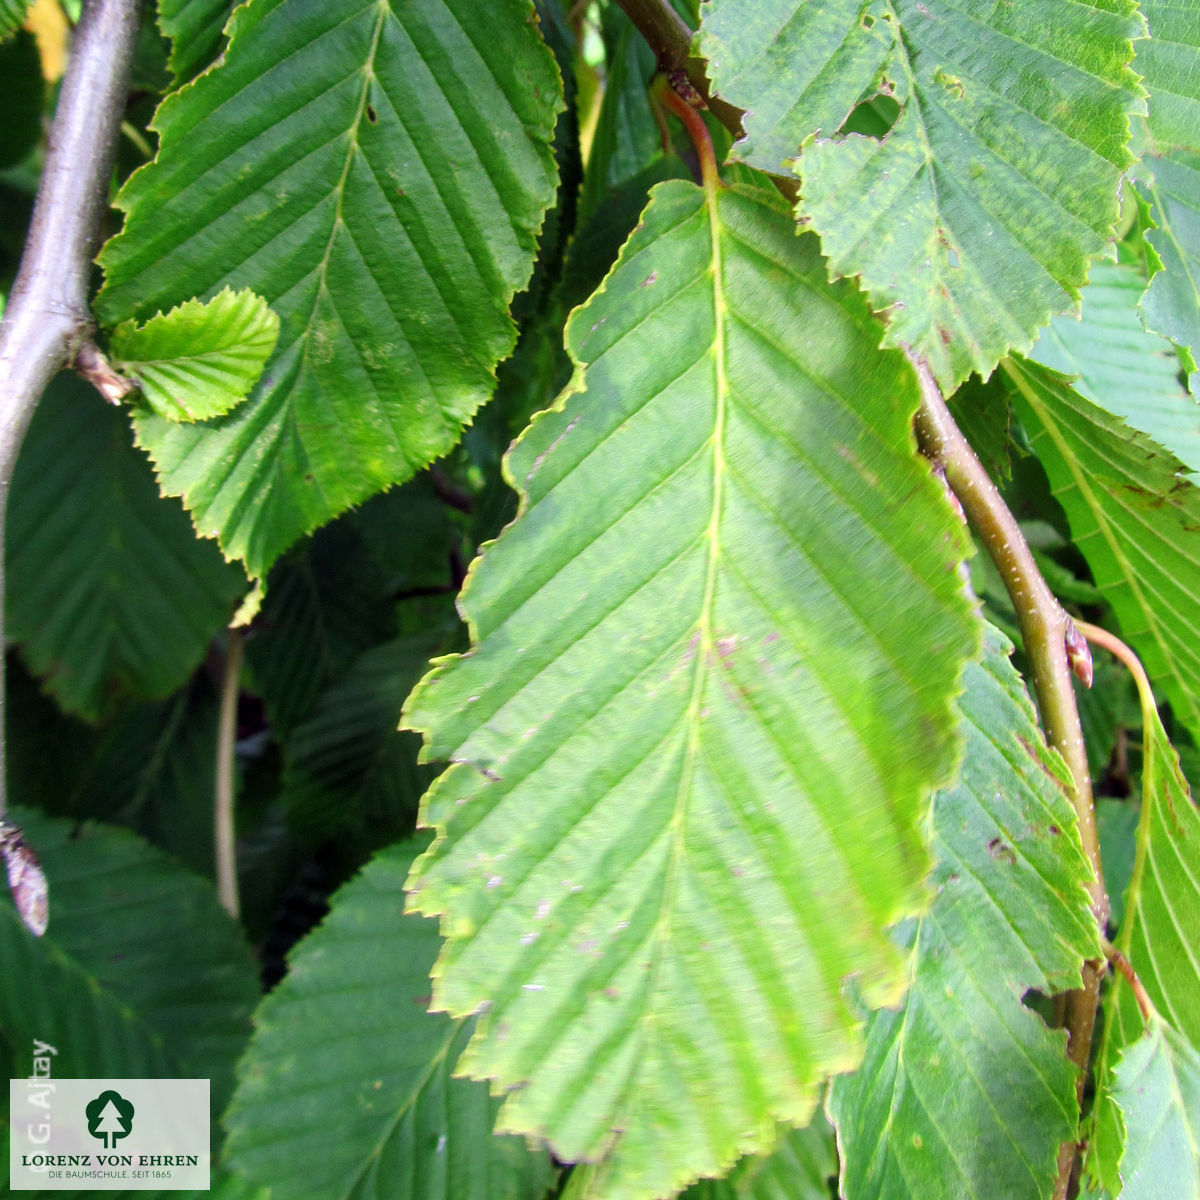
(46, 320)
(1053, 648)
(224, 825)
(668, 35)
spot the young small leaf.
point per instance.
(199, 360)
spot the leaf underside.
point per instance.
(1160, 935)
(1135, 517)
(346, 1088)
(1171, 305)
(691, 753)
(378, 172)
(1120, 366)
(964, 1092)
(975, 217)
(1168, 61)
(1158, 1086)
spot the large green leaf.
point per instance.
(109, 591)
(1171, 305)
(1122, 367)
(1158, 1087)
(1169, 61)
(346, 1089)
(964, 1092)
(378, 171)
(1136, 519)
(140, 971)
(975, 218)
(691, 750)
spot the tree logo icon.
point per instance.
(109, 1117)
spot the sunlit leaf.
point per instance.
(975, 218)
(691, 751)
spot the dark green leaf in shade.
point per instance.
(1126, 370)
(140, 973)
(964, 1092)
(975, 218)
(1169, 61)
(687, 796)
(1134, 516)
(109, 591)
(335, 595)
(346, 1089)
(348, 769)
(24, 97)
(1158, 1089)
(1171, 305)
(378, 172)
(199, 360)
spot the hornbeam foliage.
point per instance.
(588, 590)
(690, 752)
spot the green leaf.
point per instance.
(1160, 929)
(801, 1167)
(1169, 62)
(378, 172)
(1158, 1089)
(348, 768)
(12, 14)
(1135, 518)
(346, 1089)
(1120, 366)
(1171, 305)
(140, 972)
(335, 595)
(196, 29)
(24, 98)
(199, 360)
(691, 752)
(109, 591)
(964, 1091)
(975, 218)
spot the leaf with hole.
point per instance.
(975, 218)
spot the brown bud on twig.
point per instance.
(1079, 654)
